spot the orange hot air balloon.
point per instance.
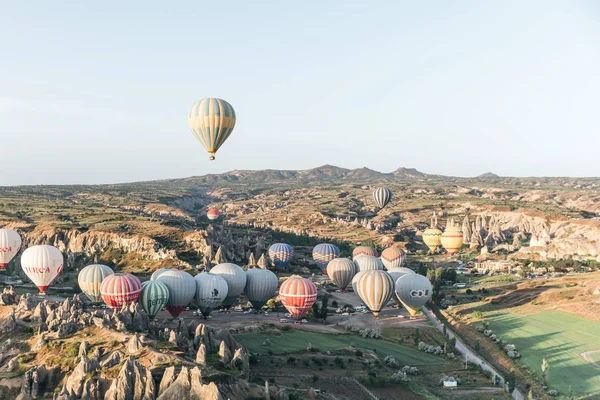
(298, 294)
(393, 257)
(364, 250)
(452, 239)
(212, 214)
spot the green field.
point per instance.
(558, 337)
(298, 341)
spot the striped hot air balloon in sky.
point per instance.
(364, 250)
(212, 214)
(155, 295)
(452, 239)
(367, 263)
(281, 254)
(261, 285)
(42, 264)
(211, 291)
(323, 253)
(393, 257)
(10, 244)
(182, 289)
(382, 196)
(298, 294)
(120, 289)
(375, 288)
(90, 278)
(414, 291)
(432, 238)
(235, 278)
(341, 271)
(211, 120)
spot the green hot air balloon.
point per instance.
(155, 295)
(211, 120)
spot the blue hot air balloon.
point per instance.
(323, 253)
(281, 254)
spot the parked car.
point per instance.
(283, 320)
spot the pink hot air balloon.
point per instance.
(298, 294)
(120, 289)
(42, 264)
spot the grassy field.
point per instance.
(558, 337)
(298, 341)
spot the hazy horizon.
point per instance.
(98, 93)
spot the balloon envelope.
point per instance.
(212, 214)
(235, 278)
(120, 289)
(159, 271)
(281, 254)
(382, 196)
(42, 264)
(414, 291)
(393, 257)
(452, 239)
(396, 274)
(90, 278)
(155, 296)
(364, 250)
(10, 244)
(432, 238)
(323, 253)
(211, 120)
(375, 288)
(298, 294)
(341, 271)
(261, 285)
(182, 289)
(367, 263)
(211, 291)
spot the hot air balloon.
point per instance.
(367, 263)
(235, 278)
(159, 271)
(90, 278)
(281, 254)
(298, 294)
(375, 288)
(414, 291)
(432, 238)
(396, 274)
(42, 264)
(341, 271)
(211, 120)
(120, 289)
(364, 250)
(382, 196)
(155, 296)
(212, 214)
(452, 239)
(211, 291)
(356, 278)
(10, 244)
(182, 289)
(323, 253)
(261, 285)
(393, 257)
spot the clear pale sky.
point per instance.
(98, 92)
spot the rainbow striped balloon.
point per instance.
(120, 289)
(155, 296)
(211, 120)
(281, 254)
(90, 278)
(323, 253)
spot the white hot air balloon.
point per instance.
(159, 271)
(414, 291)
(375, 288)
(211, 291)
(10, 243)
(396, 273)
(341, 271)
(235, 278)
(42, 264)
(261, 285)
(367, 263)
(182, 289)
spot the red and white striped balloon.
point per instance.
(298, 294)
(119, 289)
(42, 264)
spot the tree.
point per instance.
(545, 368)
(417, 337)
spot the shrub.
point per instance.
(391, 361)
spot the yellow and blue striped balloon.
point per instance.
(90, 278)
(155, 296)
(211, 120)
